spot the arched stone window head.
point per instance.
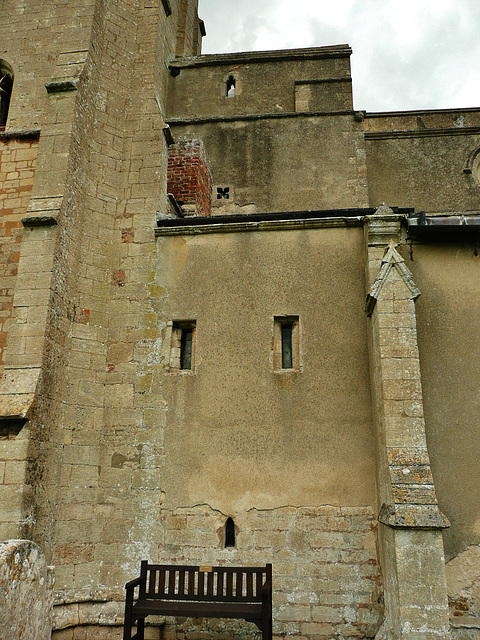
(6, 84)
(229, 533)
(230, 87)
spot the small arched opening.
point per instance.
(6, 84)
(231, 86)
(229, 533)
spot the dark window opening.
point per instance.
(230, 87)
(287, 354)
(286, 343)
(223, 192)
(183, 345)
(186, 348)
(6, 84)
(229, 533)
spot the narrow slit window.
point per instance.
(287, 356)
(183, 345)
(229, 533)
(230, 87)
(186, 348)
(286, 343)
(6, 84)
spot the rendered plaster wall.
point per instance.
(277, 144)
(238, 431)
(284, 164)
(243, 440)
(419, 160)
(448, 276)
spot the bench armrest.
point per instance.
(266, 587)
(134, 583)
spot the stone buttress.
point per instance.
(411, 522)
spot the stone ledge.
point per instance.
(261, 116)
(271, 225)
(39, 221)
(416, 516)
(20, 134)
(60, 86)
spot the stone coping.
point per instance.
(242, 57)
(419, 112)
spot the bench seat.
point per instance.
(199, 609)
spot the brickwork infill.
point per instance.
(326, 579)
(189, 178)
(17, 166)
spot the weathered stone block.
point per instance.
(27, 591)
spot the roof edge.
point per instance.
(310, 53)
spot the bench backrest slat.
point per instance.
(210, 579)
(191, 583)
(151, 582)
(220, 583)
(161, 582)
(181, 582)
(201, 580)
(171, 582)
(249, 585)
(259, 581)
(228, 584)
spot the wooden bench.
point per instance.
(199, 592)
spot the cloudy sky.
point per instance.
(407, 54)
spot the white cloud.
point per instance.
(407, 55)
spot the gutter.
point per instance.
(446, 227)
(278, 216)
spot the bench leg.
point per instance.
(267, 626)
(141, 628)
(127, 626)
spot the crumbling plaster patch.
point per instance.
(463, 583)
